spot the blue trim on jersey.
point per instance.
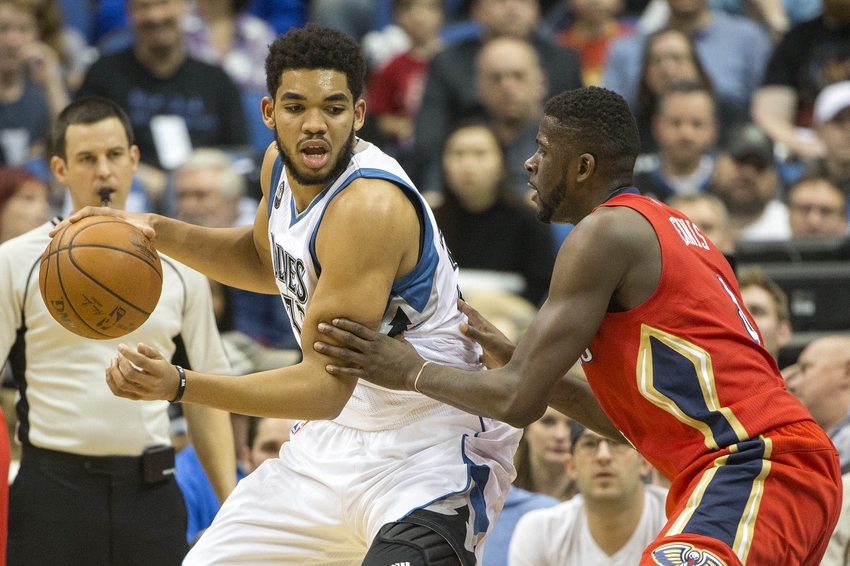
(724, 501)
(277, 170)
(675, 376)
(477, 476)
(414, 287)
(480, 475)
(294, 217)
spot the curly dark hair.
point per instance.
(599, 122)
(316, 47)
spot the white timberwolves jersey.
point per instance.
(423, 303)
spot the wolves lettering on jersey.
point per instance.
(290, 271)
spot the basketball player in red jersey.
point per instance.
(673, 360)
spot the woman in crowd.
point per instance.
(23, 202)
(497, 242)
(669, 57)
(541, 457)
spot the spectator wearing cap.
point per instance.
(817, 208)
(812, 55)
(832, 125)
(612, 520)
(746, 180)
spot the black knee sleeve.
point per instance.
(407, 544)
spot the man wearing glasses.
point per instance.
(612, 520)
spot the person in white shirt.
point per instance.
(611, 521)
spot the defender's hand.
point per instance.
(377, 358)
(142, 374)
(497, 348)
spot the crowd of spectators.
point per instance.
(743, 109)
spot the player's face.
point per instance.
(549, 167)
(605, 471)
(548, 439)
(314, 118)
(97, 156)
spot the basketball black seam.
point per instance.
(106, 247)
(70, 304)
(69, 246)
(101, 285)
(105, 221)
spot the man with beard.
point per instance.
(370, 476)
(652, 310)
(746, 180)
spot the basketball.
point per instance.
(100, 277)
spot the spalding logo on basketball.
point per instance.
(100, 277)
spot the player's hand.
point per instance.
(376, 357)
(497, 348)
(138, 220)
(142, 374)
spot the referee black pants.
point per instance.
(71, 510)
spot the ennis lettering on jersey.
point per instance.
(689, 232)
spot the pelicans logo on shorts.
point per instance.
(681, 554)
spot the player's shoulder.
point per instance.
(371, 198)
(619, 226)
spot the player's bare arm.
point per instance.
(570, 393)
(601, 266)
(368, 238)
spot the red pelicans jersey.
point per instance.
(688, 361)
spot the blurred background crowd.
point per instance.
(743, 108)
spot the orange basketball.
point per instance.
(100, 277)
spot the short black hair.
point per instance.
(87, 110)
(316, 47)
(687, 87)
(600, 123)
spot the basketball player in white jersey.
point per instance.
(370, 476)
